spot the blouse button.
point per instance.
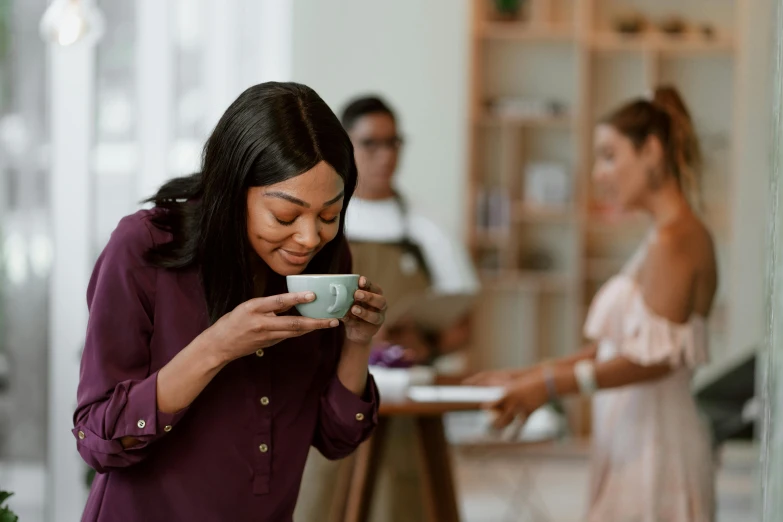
(263, 448)
(167, 428)
(259, 352)
(360, 416)
(264, 401)
(81, 435)
(141, 424)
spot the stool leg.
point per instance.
(440, 498)
(365, 473)
(343, 487)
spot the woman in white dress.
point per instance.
(652, 457)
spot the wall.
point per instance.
(416, 54)
(751, 185)
(771, 385)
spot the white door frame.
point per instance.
(71, 107)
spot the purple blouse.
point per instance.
(238, 451)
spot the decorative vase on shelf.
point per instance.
(508, 9)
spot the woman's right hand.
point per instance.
(254, 325)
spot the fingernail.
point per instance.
(359, 295)
(334, 322)
(363, 281)
(309, 296)
(357, 310)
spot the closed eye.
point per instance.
(327, 221)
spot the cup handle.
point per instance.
(341, 297)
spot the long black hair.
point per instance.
(272, 132)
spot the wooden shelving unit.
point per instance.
(556, 256)
(552, 122)
(662, 43)
(522, 32)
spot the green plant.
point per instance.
(6, 515)
(89, 476)
(508, 7)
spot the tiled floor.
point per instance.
(501, 484)
(515, 485)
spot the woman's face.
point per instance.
(289, 222)
(622, 172)
(376, 148)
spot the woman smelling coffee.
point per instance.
(201, 389)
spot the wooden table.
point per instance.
(440, 498)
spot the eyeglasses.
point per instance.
(372, 145)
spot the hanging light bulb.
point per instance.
(66, 22)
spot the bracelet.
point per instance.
(549, 382)
(584, 371)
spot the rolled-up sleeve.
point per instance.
(345, 420)
(117, 395)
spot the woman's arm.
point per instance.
(181, 380)
(613, 373)
(117, 397)
(506, 377)
(666, 292)
(528, 393)
(352, 366)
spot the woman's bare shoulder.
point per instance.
(679, 266)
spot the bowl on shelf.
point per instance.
(630, 24)
(707, 31)
(673, 26)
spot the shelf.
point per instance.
(522, 32)
(553, 122)
(491, 238)
(526, 213)
(528, 280)
(655, 41)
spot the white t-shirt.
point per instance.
(381, 221)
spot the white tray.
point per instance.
(455, 393)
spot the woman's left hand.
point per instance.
(367, 314)
(523, 396)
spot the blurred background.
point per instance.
(497, 101)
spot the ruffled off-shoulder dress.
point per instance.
(652, 456)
